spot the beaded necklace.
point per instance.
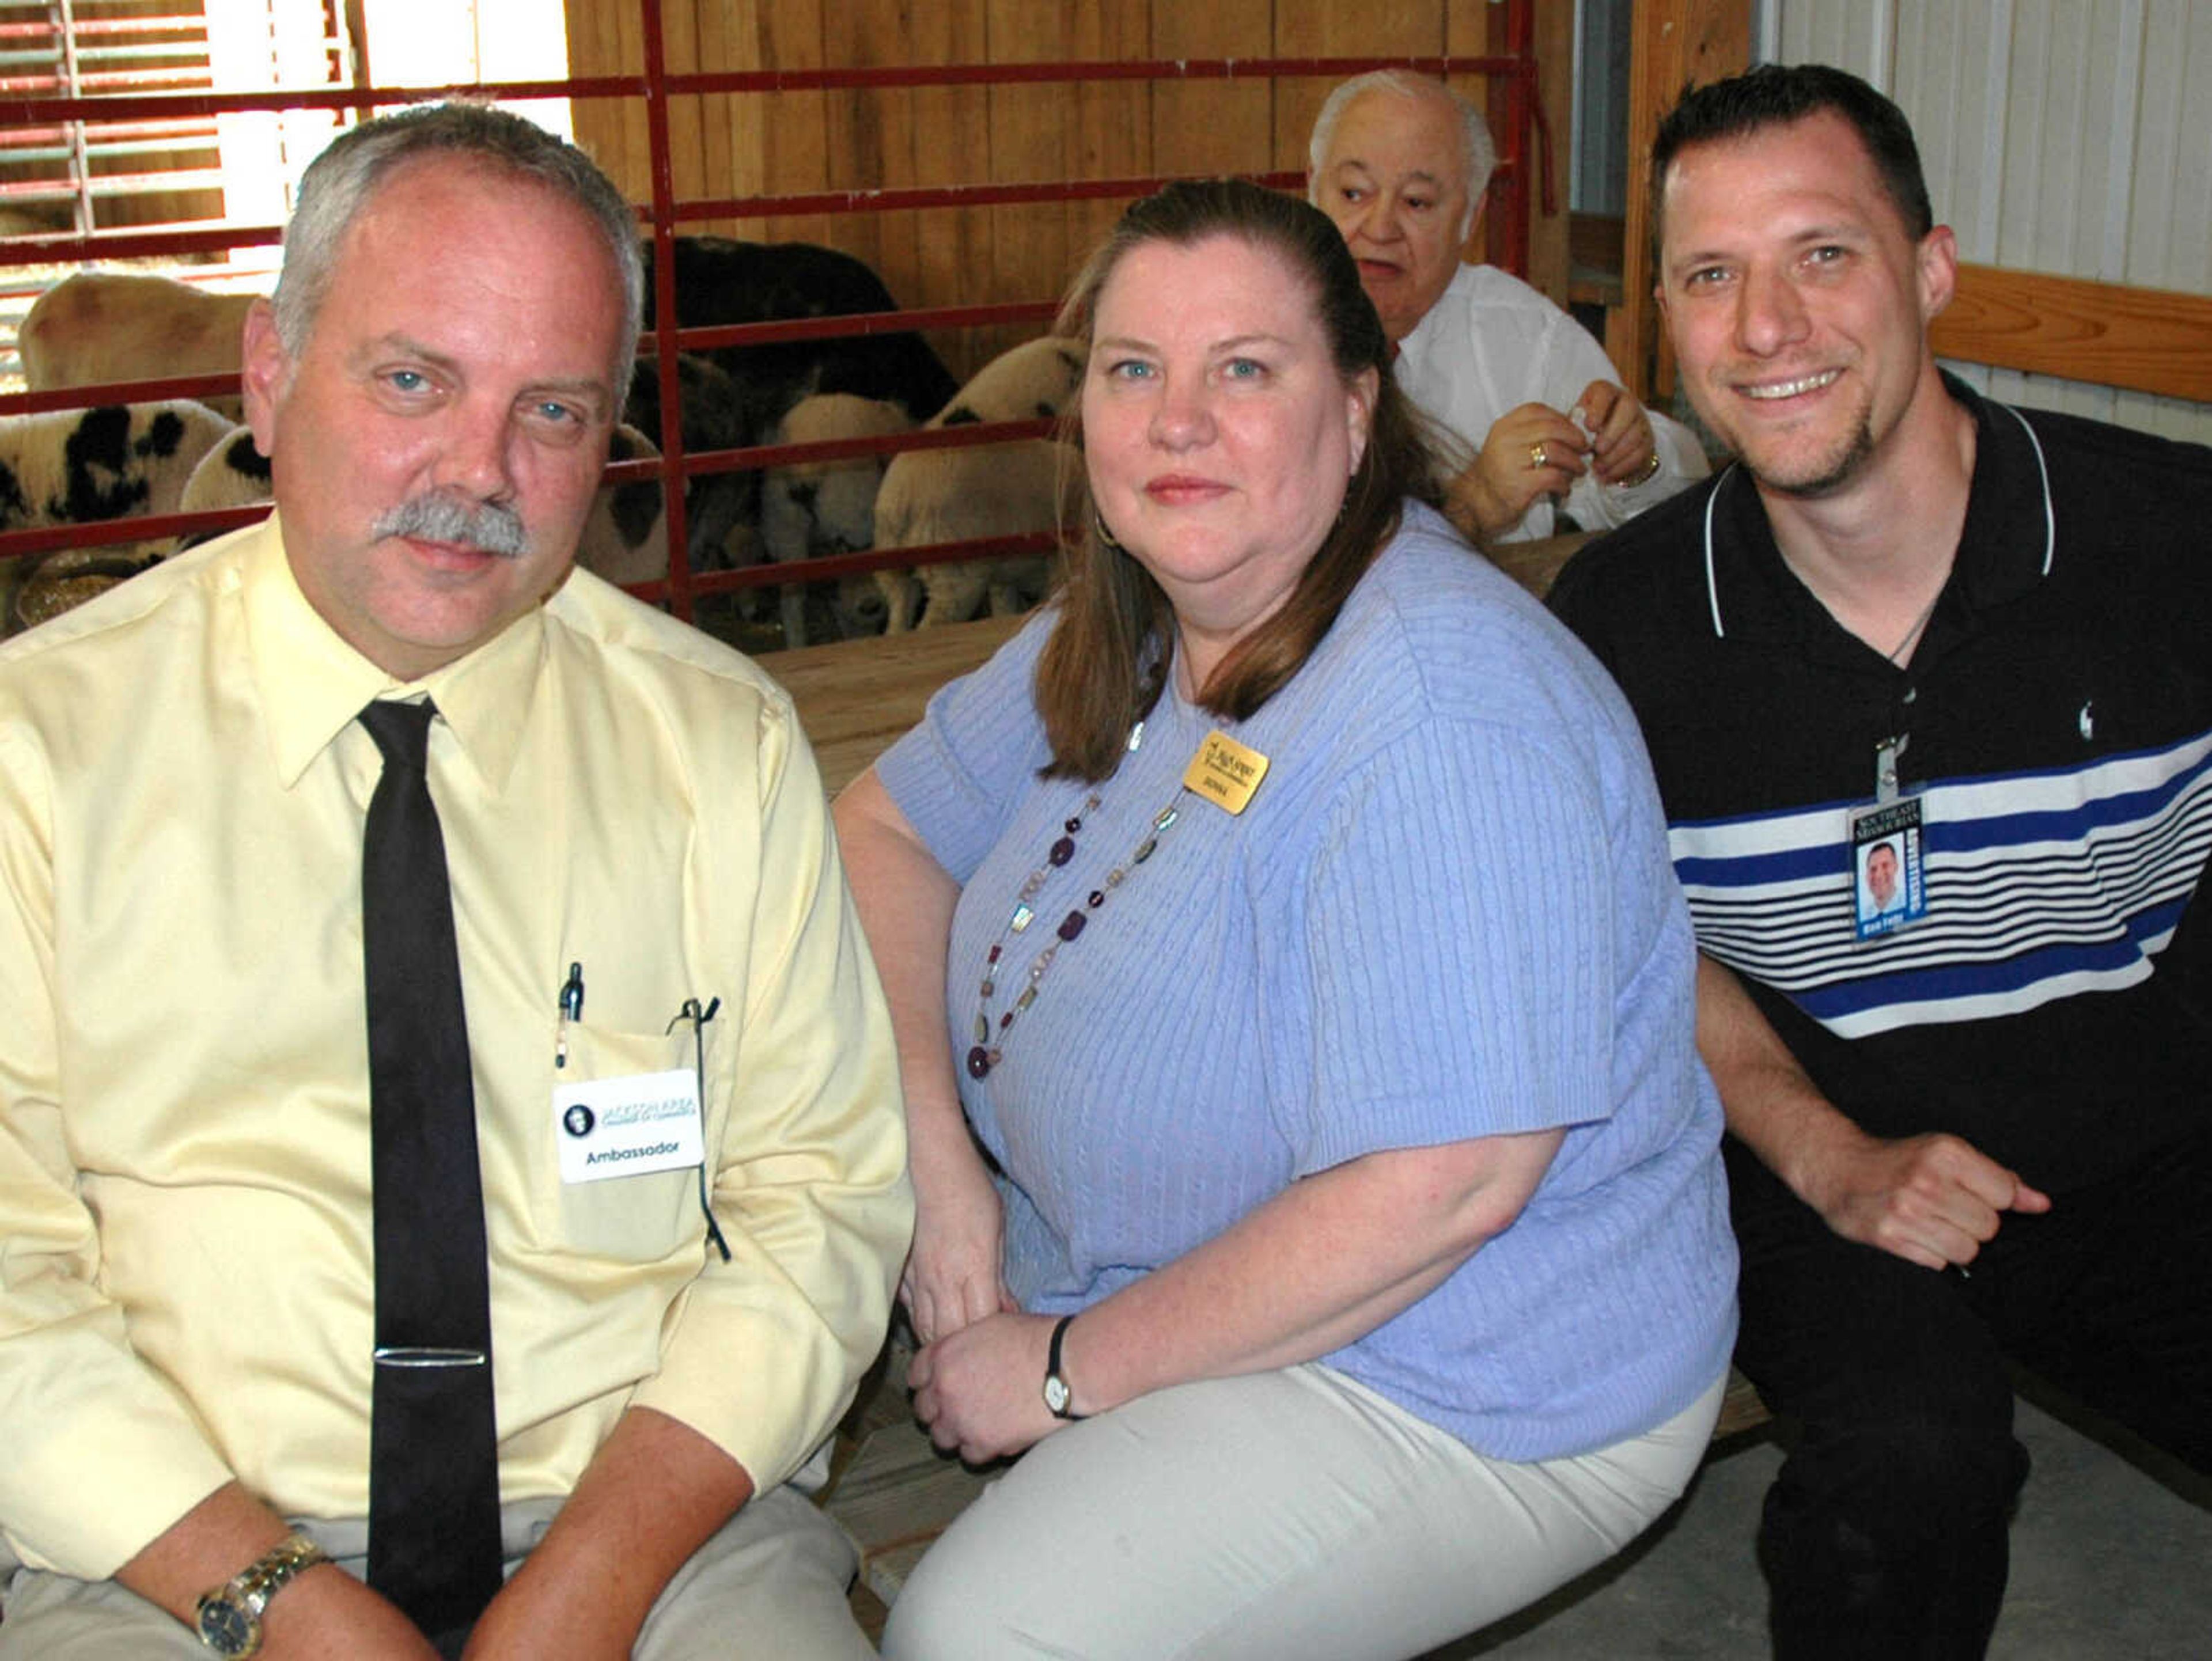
(983, 1054)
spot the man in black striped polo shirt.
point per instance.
(1915, 635)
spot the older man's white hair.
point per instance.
(1477, 153)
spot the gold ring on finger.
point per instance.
(1536, 453)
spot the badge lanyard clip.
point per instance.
(1886, 754)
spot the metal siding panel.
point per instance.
(1916, 75)
(2158, 141)
(1994, 102)
(1943, 85)
(1805, 30)
(1851, 40)
(2118, 95)
(2069, 144)
(2189, 259)
(1879, 51)
(2020, 186)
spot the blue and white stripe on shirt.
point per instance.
(2040, 885)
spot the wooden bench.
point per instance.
(856, 696)
(2109, 334)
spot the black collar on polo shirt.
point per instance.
(2008, 545)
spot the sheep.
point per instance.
(988, 490)
(80, 466)
(1025, 383)
(234, 474)
(733, 396)
(722, 280)
(624, 539)
(952, 495)
(810, 508)
(76, 466)
(95, 327)
(722, 511)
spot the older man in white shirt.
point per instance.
(1401, 162)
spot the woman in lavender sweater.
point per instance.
(1318, 1186)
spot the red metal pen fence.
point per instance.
(39, 112)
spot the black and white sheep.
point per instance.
(120, 460)
(234, 474)
(83, 466)
(625, 539)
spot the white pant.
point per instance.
(1282, 1515)
(770, 1583)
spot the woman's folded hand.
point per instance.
(953, 1273)
(980, 1391)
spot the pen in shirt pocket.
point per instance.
(572, 1008)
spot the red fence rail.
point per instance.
(30, 110)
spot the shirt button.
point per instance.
(1911, 693)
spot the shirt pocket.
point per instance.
(640, 1218)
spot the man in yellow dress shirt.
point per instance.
(186, 1263)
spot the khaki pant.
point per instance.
(771, 1583)
(1278, 1517)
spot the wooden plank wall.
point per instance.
(787, 142)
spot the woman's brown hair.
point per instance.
(1107, 657)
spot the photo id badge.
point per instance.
(624, 1127)
(1888, 888)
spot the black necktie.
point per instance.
(433, 1459)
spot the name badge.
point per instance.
(625, 1127)
(1224, 773)
(1888, 889)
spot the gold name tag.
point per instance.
(1224, 773)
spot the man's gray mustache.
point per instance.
(440, 518)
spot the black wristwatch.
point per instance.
(1057, 1393)
(229, 1617)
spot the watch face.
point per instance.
(225, 1629)
(1056, 1393)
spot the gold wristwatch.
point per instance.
(229, 1617)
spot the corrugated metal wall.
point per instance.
(2065, 136)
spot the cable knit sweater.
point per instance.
(1447, 913)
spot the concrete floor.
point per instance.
(2108, 1562)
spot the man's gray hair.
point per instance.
(1477, 153)
(342, 179)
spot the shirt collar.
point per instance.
(1414, 347)
(2008, 545)
(311, 684)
